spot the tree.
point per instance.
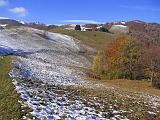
(123, 57)
(152, 65)
(112, 58)
(103, 29)
(97, 64)
(78, 27)
(131, 57)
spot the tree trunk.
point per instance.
(152, 75)
(156, 83)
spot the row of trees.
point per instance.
(125, 58)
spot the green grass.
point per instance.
(9, 106)
(12, 26)
(95, 39)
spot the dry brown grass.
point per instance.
(130, 85)
(121, 95)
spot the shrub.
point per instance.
(121, 59)
(98, 63)
(78, 27)
(125, 58)
(103, 29)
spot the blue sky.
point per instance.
(80, 11)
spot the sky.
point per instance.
(80, 11)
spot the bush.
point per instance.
(98, 63)
(125, 58)
(103, 29)
(121, 59)
(78, 27)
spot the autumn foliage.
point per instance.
(113, 50)
(122, 58)
(125, 58)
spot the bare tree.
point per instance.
(152, 65)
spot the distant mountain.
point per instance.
(40, 26)
(37, 25)
(10, 22)
(148, 33)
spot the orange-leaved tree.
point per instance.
(122, 58)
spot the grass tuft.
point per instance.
(9, 106)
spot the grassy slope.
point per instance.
(134, 86)
(122, 88)
(121, 99)
(99, 40)
(130, 85)
(9, 106)
(95, 39)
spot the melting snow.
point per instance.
(42, 66)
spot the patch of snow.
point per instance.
(120, 26)
(22, 22)
(123, 23)
(4, 25)
(151, 113)
(137, 21)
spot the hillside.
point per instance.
(43, 66)
(95, 39)
(79, 60)
(49, 73)
(137, 29)
(148, 33)
(10, 22)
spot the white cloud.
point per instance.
(20, 11)
(3, 17)
(81, 21)
(3, 3)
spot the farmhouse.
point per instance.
(86, 29)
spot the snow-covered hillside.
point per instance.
(47, 73)
(43, 62)
(48, 59)
(119, 29)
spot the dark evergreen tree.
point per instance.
(78, 27)
(103, 29)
